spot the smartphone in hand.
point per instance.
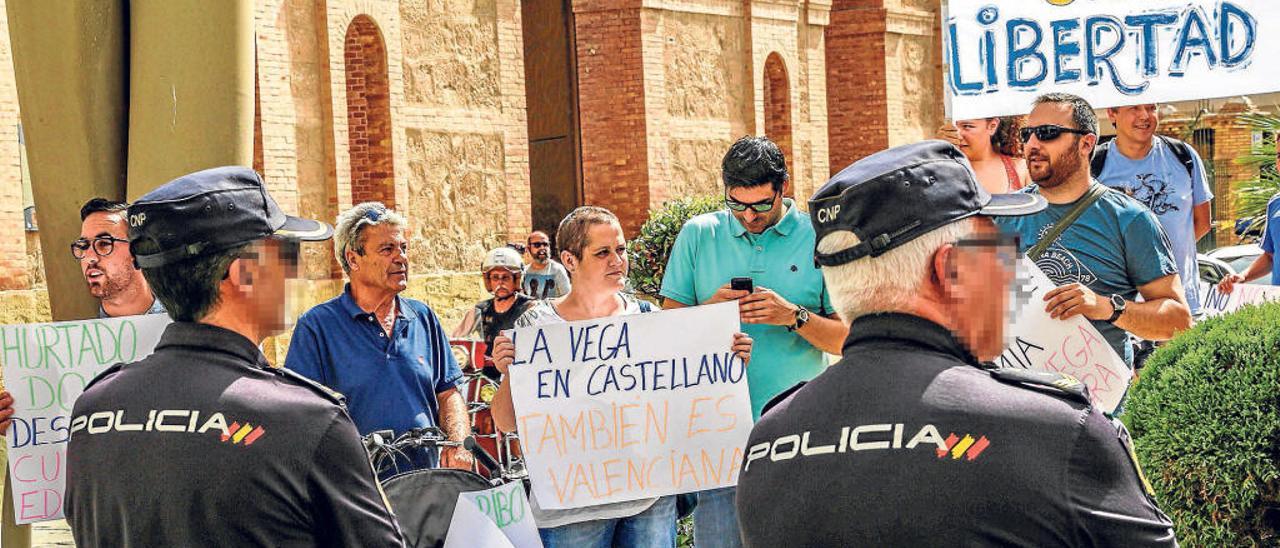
(742, 284)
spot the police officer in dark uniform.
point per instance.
(909, 440)
(203, 443)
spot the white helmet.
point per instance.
(502, 257)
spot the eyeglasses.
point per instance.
(763, 206)
(500, 277)
(290, 249)
(102, 246)
(537, 245)
(1008, 246)
(1048, 132)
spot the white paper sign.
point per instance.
(1071, 346)
(1002, 54)
(631, 407)
(46, 367)
(496, 517)
(1217, 303)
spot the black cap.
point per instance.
(894, 196)
(207, 212)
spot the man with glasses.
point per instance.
(765, 237)
(1113, 252)
(501, 270)
(107, 262)
(909, 439)
(389, 355)
(203, 443)
(545, 278)
(1167, 176)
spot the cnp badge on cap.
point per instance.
(894, 196)
(207, 212)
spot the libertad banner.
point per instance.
(631, 407)
(1001, 54)
(46, 367)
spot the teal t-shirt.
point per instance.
(714, 248)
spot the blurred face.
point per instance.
(1055, 161)
(539, 248)
(603, 266)
(755, 198)
(1136, 123)
(977, 134)
(979, 270)
(502, 283)
(107, 275)
(384, 265)
(272, 266)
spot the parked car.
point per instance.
(1212, 270)
(1238, 257)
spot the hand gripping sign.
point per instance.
(1071, 346)
(1217, 303)
(631, 407)
(46, 367)
(1000, 55)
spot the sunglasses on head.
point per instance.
(1047, 132)
(763, 206)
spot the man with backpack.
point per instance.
(1167, 176)
(1102, 248)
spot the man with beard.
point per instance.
(107, 262)
(545, 278)
(1115, 249)
(1167, 176)
(501, 270)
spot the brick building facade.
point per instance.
(484, 119)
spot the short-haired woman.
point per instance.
(594, 251)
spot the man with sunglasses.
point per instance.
(107, 262)
(204, 443)
(1113, 252)
(545, 278)
(762, 236)
(1167, 176)
(909, 438)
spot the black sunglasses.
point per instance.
(1047, 132)
(763, 206)
(102, 246)
(998, 239)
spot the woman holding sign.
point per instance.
(594, 251)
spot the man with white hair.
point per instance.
(909, 439)
(389, 355)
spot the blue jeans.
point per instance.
(715, 520)
(652, 528)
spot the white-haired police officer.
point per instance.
(908, 440)
(203, 443)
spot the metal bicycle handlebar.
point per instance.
(381, 450)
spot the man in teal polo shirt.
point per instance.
(762, 236)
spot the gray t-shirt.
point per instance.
(541, 313)
(549, 283)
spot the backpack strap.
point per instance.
(1096, 190)
(1183, 152)
(1099, 159)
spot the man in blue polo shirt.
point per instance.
(1267, 261)
(388, 355)
(761, 236)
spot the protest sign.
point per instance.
(1217, 303)
(1000, 55)
(631, 407)
(46, 367)
(495, 517)
(1069, 346)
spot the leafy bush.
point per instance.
(650, 249)
(1206, 422)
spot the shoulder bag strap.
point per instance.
(1096, 190)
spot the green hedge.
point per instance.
(1205, 417)
(651, 248)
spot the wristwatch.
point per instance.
(802, 317)
(1117, 304)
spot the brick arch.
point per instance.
(368, 113)
(777, 110)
